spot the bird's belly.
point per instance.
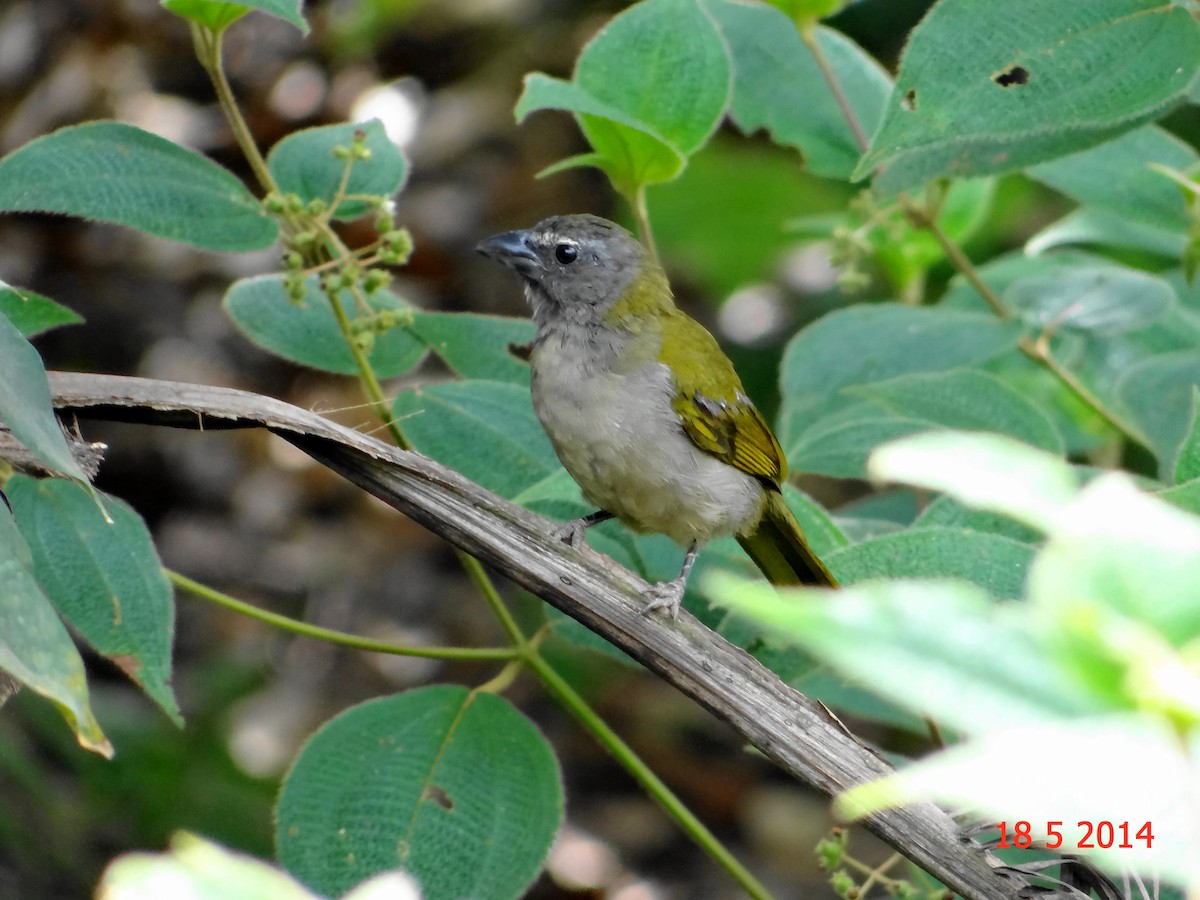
(620, 439)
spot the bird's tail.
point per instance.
(779, 549)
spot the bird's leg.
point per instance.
(669, 594)
(572, 532)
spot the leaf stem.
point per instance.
(1039, 351)
(642, 214)
(336, 637)
(208, 51)
(808, 34)
(650, 783)
(923, 219)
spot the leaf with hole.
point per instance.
(990, 87)
(454, 786)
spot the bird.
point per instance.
(643, 407)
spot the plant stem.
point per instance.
(642, 214)
(1039, 351)
(208, 51)
(337, 637)
(808, 33)
(651, 784)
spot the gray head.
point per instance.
(573, 267)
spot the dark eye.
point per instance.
(566, 253)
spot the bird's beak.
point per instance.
(512, 249)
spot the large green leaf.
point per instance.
(648, 91)
(966, 400)
(474, 345)
(303, 164)
(1187, 461)
(996, 563)
(1157, 392)
(118, 173)
(31, 312)
(485, 430)
(34, 645)
(869, 343)
(25, 405)
(778, 86)
(104, 577)
(925, 644)
(988, 87)
(1100, 299)
(1116, 177)
(307, 332)
(452, 785)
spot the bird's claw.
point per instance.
(570, 533)
(666, 595)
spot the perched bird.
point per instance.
(643, 407)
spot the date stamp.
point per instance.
(1085, 836)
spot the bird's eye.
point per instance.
(566, 253)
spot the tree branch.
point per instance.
(798, 734)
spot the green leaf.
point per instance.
(922, 644)
(1071, 784)
(32, 313)
(649, 89)
(839, 446)
(946, 512)
(873, 342)
(474, 345)
(307, 332)
(988, 87)
(989, 560)
(991, 472)
(303, 164)
(1187, 460)
(104, 577)
(486, 430)
(1116, 177)
(117, 173)
(1185, 496)
(1118, 548)
(218, 15)
(966, 400)
(199, 870)
(1092, 226)
(778, 86)
(1157, 392)
(1099, 299)
(453, 786)
(25, 404)
(34, 645)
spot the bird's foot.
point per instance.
(666, 595)
(570, 533)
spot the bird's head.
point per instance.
(577, 267)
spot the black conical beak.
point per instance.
(511, 249)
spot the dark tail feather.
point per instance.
(779, 549)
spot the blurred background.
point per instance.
(249, 515)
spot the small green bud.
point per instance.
(829, 855)
(363, 153)
(315, 206)
(843, 884)
(273, 203)
(385, 320)
(293, 260)
(294, 203)
(341, 151)
(376, 279)
(383, 222)
(400, 243)
(365, 341)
